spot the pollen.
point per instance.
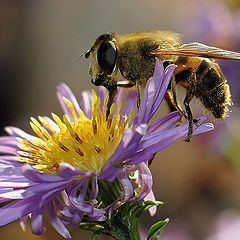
(84, 143)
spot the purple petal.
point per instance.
(49, 195)
(77, 201)
(154, 88)
(56, 222)
(97, 214)
(23, 222)
(9, 150)
(54, 126)
(156, 142)
(65, 197)
(11, 171)
(94, 189)
(47, 191)
(154, 93)
(151, 197)
(128, 134)
(119, 96)
(5, 190)
(164, 122)
(16, 132)
(37, 222)
(127, 186)
(162, 89)
(205, 127)
(14, 184)
(180, 131)
(146, 181)
(150, 149)
(85, 99)
(63, 208)
(64, 91)
(101, 94)
(38, 177)
(11, 194)
(144, 103)
(77, 218)
(110, 173)
(156, 138)
(131, 148)
(102, 218)
(17, 209)
(127, 146)
(9, 141)
(131, 102)
(66, 170)
(10, 159)
(117, 99)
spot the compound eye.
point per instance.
(106, 56)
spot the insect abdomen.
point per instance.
(212, 89)
(217, 101)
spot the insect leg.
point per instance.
(113, 91)
(112, 94)
(128, 84)
(139, 93)
(189, 96)
(169, 99)
(173, 97)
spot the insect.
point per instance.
(134, 55)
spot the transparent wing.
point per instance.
(198, 50)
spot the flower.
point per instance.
(68, 167)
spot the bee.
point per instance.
(134, 55)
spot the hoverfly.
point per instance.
(134, 55)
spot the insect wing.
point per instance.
(198, 50)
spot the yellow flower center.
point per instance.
(85, 143)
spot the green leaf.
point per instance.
(156, 229)
(146, 205)
(95, 236)
(123, 224)
(90, 227)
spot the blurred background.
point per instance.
(40, 45)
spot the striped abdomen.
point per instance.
(211, 87)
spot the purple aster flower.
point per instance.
(66, 169)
